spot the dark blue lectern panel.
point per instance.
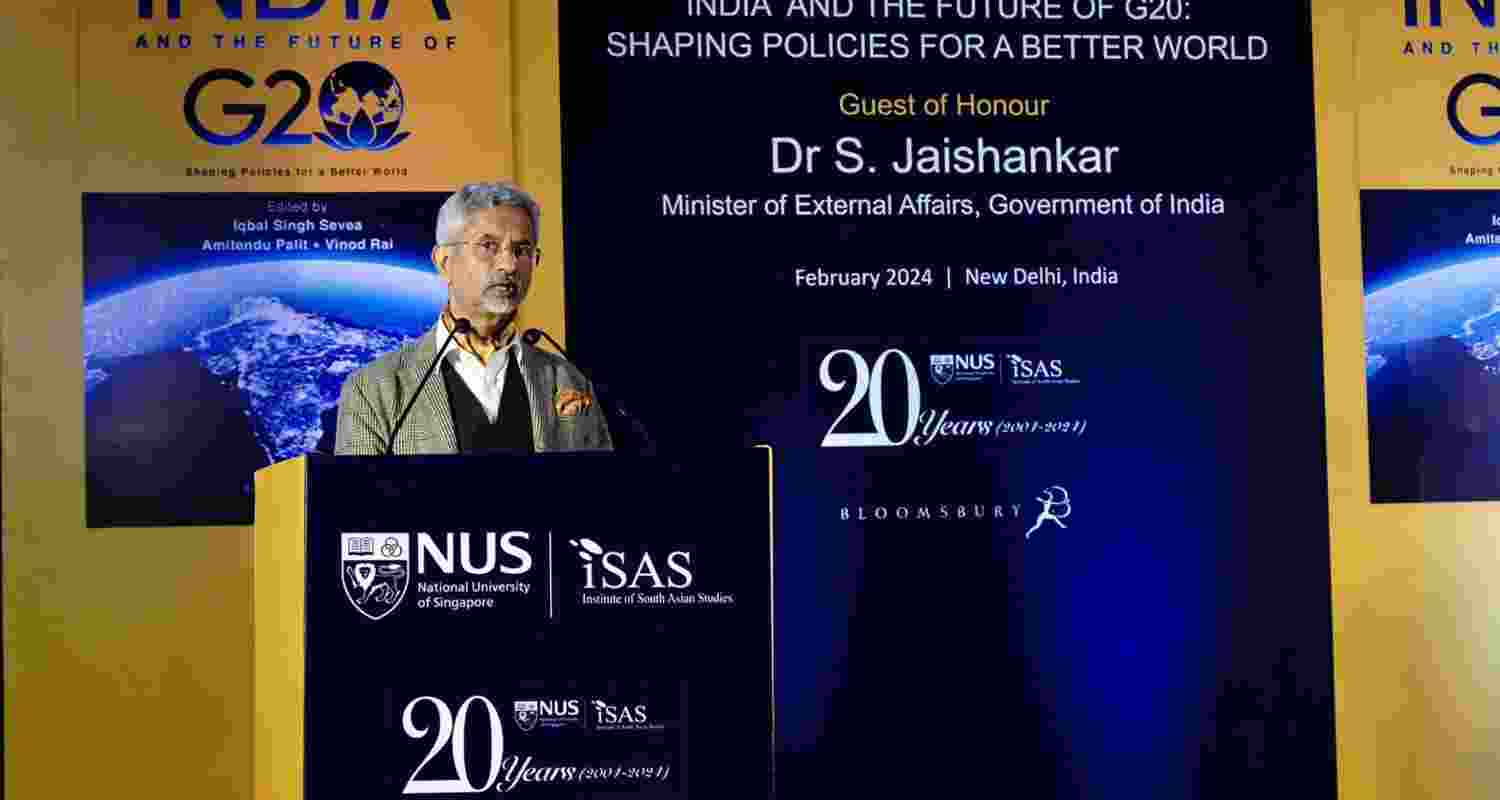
(611, 614)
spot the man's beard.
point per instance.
(496, 301)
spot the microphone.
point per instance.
(533, 335)
(460, 325)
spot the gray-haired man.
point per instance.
(492, 391)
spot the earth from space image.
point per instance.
(1461, 302)
(1432, 379)
(205, 376)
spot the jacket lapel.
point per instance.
(540, 386)
(432, 406)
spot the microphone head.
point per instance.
(461, 325)
(531, 336)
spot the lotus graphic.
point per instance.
(361, 104)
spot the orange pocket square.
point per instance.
(571, 403)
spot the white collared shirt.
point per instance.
(487, 380)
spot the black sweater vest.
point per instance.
(511, 430)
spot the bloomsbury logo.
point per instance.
(1056, 506)
(1048, 510)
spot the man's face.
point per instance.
(482, 283)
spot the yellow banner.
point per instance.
(282, 95)
(1428, 81)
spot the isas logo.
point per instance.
(620, 717)
(614, 569)
(1034, 368)
(1032, 371)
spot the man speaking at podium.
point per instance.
(492, 391)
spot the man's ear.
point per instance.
(440, 260)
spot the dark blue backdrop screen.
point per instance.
(1096, 565)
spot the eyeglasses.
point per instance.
(491, 249)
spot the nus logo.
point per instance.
(235, 9)
(613, 569)
(547, 713)
(492, 552)
(961, 367)
(558, 708)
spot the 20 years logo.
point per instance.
(870, 383)
(452, 731)
(890, 392)
(503, 772)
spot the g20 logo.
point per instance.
(360, 103)
(1464, 85)
(870, 383)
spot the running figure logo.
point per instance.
(1056, 506)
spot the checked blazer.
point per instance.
(374, 396)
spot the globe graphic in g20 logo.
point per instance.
(361, 104)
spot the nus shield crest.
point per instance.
(526, 714)
(373, 568)
(942, 368)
